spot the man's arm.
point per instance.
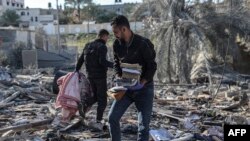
(81, 59)
(117, 64)
(150, 64)
(80, 62)
(102, 57)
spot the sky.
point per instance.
(44, 3)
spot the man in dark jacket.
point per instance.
(133, 49)
(94, 55)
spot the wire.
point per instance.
(224, 67)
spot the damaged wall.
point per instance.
(11, 35)
(194, 40)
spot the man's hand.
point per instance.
(76, 70)
(136, 87)
(119, 74)
(79, 76)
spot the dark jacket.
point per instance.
(94, 55)
(140, 50)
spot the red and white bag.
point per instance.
(69, 95)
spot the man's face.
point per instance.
(118, 32)
(105, 38)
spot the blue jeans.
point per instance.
(143, 101)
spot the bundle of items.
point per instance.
(130, 76)
(117, 92)
(131, 71)
(69, 95)
(74, 93)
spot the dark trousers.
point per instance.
(143, 101)
(99, 88)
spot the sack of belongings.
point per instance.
(74, 92)
(69, 95)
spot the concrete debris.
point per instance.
(4, 74)
(181, 112)
(161, 135)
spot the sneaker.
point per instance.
(96, 125)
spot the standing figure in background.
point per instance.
(94, 56)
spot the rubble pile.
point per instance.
(181, 111)
(195, 112)
(24, 104)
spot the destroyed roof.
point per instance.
(48, 56)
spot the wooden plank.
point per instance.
(16, 137)
(27, 110)
(45, 94)
(162, 85)
(163, 112)
(75, 123)
(213, 123)
(13, 96)
(36, 96)
(26, 126)
(4, 105)
(19, 76)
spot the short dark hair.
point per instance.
(120, 20)
(103, 32)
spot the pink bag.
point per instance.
(69, 95)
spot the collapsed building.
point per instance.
(202, 81)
